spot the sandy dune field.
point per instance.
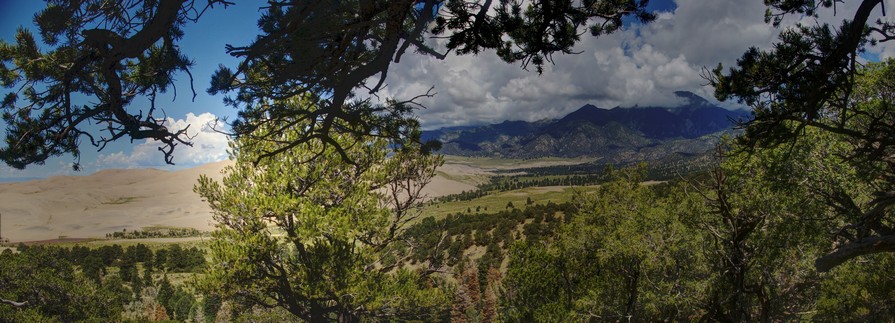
(112, 200)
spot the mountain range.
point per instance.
(613, 135)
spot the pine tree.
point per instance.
(467, 300)
(340, 218)
(490, 296)
(165, 295)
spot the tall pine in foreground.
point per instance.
(321, 239)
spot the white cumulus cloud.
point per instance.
(640, 65)
(208, 146)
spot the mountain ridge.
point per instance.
(617, 134)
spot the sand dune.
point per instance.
(111, 200)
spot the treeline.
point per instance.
(502, 183)
(174, 258)
(156, 233)
(664, 169)
(462, 196)
(584, 174)
(559, 170)
(109, 283)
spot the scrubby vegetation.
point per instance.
(106, 283)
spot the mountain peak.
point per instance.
(692, 98)
(587, 107)
(588, 112)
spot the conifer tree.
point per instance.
(321, 239)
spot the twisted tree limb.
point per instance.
(862, 247)
(13, 303)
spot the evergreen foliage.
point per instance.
(50, 288)
(618, 258)
(813, 80)
(321, 239)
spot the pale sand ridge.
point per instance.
(111, 200)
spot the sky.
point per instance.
(640, 65)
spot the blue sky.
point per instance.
(203, 42)
(639, 65)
